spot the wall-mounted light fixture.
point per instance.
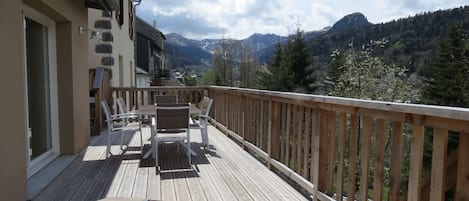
(94, 35)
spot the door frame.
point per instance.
(41, 161)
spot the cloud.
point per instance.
(200, 19)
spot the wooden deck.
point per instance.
(224, 172)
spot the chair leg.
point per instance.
(204, 133)
(188, 147)
(108, 147)
(141, 141)
(122, 140)
(157, 166)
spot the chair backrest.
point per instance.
(206, 104)
(172, 116)
(210, 102)
(121, 105)
(166, 99)
(107, 114)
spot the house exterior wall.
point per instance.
(123, 75)
(13, 167)
(72, 84)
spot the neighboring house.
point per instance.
(150, 49)
(143, 78)
(115, 48)
(44, 86)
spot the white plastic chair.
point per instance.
(202, 121)
(169, 124)
(113, 129)
(124, 112)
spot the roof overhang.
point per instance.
(105, 5)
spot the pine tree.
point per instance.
(296, 58)
(447, 78)
(289, 69)
(276, 76)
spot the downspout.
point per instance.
(137, 2)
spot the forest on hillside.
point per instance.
(410, 40)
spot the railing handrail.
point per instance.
(419, 109)
(160, 88)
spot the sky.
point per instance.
(238, 19)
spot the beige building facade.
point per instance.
(120, 58)
(44, 85)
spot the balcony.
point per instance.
(287, 146)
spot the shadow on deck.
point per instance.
(224, 172)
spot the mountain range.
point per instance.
(411, 40)
(196, 55)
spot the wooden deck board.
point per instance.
(225, 172)
(206, 183)
(268, 181)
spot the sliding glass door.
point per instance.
(41, 89)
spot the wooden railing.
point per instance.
(337, 148)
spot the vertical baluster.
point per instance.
(323, 151)
(287, 136)
(299, 136)
(293, 137)
(365, 157)
(315, 141)
(396, 161)
(269, 134)
(416, 159)
(307, 148)
(331, 155)
(341, 143)
(353, 150)
(438, 174)
(462, 183)
(260, 125)
(379, 159)
(283, 133)
(275, 131)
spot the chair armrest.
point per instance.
(124, 115)
(203, 116)
(117, 118)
